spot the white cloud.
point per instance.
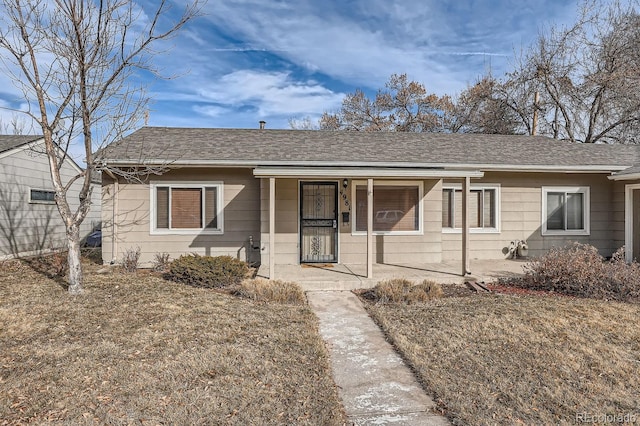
(365, 41)
(271, 93)
(250, 59)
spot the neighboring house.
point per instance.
(29, 220)
(291, 197)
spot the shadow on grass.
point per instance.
(54, 266)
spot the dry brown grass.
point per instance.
(402, 290)
(136, 349)
(276, 291)
(521, 359)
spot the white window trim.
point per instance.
(586, 207)
(195, 184)
(41, 201)
(418, 183)
(492, 230)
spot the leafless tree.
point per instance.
(483, 108)
(403, 106)
(304, 123)
(15, 126)
(74, 61)
(587, 76)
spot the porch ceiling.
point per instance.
(363, 172)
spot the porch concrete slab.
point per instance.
(375, 385)
(351, 276)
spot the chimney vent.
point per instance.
(262, 124)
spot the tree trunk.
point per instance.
(75, 267)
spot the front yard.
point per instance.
(135, 348)
(505, 359)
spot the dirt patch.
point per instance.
(519, 291)
(456, 290)
(525, 359)
(136, 349)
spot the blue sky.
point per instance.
(251, 60)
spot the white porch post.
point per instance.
(466, 183)
(369, 228)
(272, 227)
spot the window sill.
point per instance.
(390, 233)
(186, 232)
(471, 231)
(565, 233)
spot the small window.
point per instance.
(42, 196)
(483, 208)
(396, 208)
(565, 211)
(180, 208)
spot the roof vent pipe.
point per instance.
(262, 123)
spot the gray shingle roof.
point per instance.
(298, 147)
(8, 142)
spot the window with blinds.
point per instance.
(483, 208)
(395, 208)
(179, 207)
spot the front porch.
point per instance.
(330, 215)
(340, 276)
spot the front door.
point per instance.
(318, 222)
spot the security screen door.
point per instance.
(318, 222)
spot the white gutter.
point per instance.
(629, 176)
(600, 168)
(374, 172)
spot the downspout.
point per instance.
(114, 224)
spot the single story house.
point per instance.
(282, 197)
(29, 220)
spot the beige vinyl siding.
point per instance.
(36, 227)
(286, 232)
(351, 248)
(617, 213)
(241, 198)
(521, 215)
(398, 249)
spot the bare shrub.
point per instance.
(271, 291)
(130, 259)
(428, 289)
(208, 271)
(624, 278)
(401, 290)
(579, 270)
(161, 262)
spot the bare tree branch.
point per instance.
(74, 60)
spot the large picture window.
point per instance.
(184, 208)
(565, 211)
(484, 210)
(396, 208)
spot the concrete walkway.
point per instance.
(375, 385)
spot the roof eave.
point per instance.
(603, 168)
(360, 172)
